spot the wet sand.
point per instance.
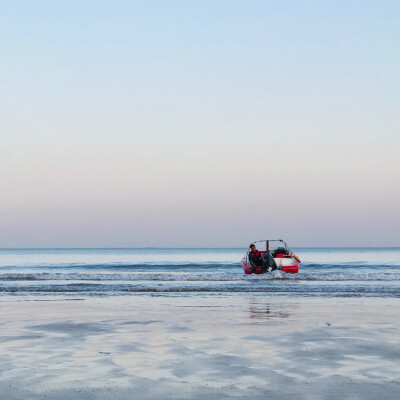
(214, 347)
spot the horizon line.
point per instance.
(190, 248)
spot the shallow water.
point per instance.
(332, 272)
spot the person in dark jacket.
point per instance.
(256, 259)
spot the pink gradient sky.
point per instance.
(194, 124)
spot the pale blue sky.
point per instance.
(199, 123)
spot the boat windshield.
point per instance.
(275, 246)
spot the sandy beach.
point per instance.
(200, 347)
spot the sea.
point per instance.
(80, 273)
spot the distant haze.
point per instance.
(199, 123)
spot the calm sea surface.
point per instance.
(334, 272)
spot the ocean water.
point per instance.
(332, 272)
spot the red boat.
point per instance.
(285, 260)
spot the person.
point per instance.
(256, 259)
(269, 262)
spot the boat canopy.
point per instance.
(272, 245)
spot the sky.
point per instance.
(199, 123)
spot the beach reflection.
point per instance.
(259, 309)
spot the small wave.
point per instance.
(124, 267)
(192, 267)
(215, 276)
(86, 289)
(347, 266)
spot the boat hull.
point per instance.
(288, 264)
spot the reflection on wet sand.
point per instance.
(209, 348)
(260, 309)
